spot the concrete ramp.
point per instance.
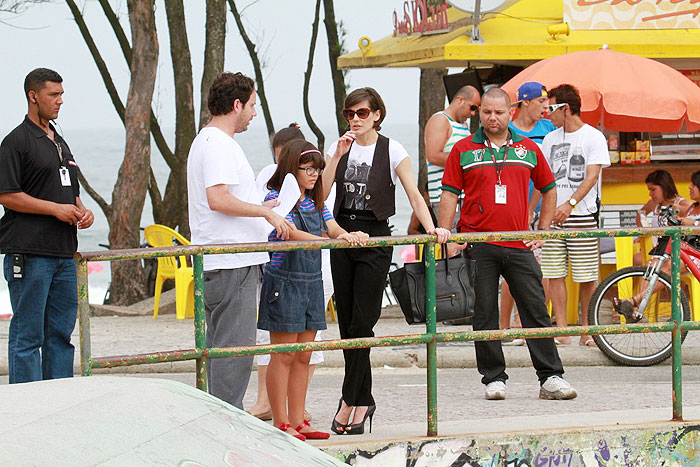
(120, 421)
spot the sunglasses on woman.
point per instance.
(311, 171)
(363, 113)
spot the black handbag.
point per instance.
(454, 284)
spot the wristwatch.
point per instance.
(696, 223)
(572, 202)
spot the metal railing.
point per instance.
(431, 337)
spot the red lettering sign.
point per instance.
(421, 18)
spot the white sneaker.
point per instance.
(557, 388)
(516, 341)
(496, 391)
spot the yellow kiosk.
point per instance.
(433, 34)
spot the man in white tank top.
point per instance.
(442, 131)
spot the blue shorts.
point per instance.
(291, 301)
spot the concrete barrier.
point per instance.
(643, 445)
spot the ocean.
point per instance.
(99, 154)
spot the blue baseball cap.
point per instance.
(531, 90)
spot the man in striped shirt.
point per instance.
(442, 131)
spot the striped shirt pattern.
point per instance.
(277, 257)
(435, 172)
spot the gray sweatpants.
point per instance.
(230, 303)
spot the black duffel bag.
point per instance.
(454, 284)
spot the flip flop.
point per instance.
(626, 308)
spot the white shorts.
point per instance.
(582, 253)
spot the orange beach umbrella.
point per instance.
(623, 92)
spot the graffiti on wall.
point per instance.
(599, 448)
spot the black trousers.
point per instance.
(522, 273)
(359, 278)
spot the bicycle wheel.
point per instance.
(636, 349)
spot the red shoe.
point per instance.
(312, 434)
(286, 426)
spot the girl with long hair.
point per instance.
(291, 298)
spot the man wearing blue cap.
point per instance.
(530, 122)
(532, 105)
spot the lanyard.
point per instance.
(499, 169)
(59, 149)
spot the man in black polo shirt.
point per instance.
(39, 190)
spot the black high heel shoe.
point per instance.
(337, 427)
(359, 428)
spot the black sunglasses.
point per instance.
(363, 113)
(473, 108)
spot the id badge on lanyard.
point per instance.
(65, 176)
(63, 173)
(500, 195)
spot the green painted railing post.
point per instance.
(431, 328)
(677, 315)
(200, 341)
(84, 318)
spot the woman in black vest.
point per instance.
(364, 166)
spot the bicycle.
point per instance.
(607, 305)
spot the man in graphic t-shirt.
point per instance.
(576, 153)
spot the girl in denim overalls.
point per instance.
(291, 299)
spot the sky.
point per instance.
(46, 35)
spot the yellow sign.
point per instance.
(632, 14)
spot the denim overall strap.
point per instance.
(308, 261)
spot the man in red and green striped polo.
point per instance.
(493, 169)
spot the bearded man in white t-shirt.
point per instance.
(224, 207)
(576, 153)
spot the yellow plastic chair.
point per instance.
(172, 268)
(330, 311)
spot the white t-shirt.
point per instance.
(359, 165)
(568, 155)
(216, 159)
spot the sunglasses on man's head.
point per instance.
(553, 107)
(363, 113)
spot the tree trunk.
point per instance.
(130, 190)
(172, 211)
(431, 99)
(214, 52)
(336, 46)
(256, 66)
(307, 79)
